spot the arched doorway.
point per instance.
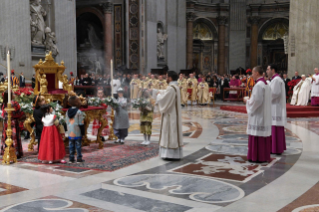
(90, 44)
(204, 50)
(271, 44)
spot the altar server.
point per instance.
(121, 119)
(301, 92)
(169, 105)
(315, 89)
(278, 110)
(259, 122)
(135, 87)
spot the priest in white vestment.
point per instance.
(169, 105)
(278, 110)
(301, 92)
(259, 122)
(315, 89)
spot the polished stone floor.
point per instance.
(214, 174)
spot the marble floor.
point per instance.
(214, 174)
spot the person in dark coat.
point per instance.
(33, 81)
(286, 80)
(223, 84)
(22, 80)
(296, 76)
(38, 101)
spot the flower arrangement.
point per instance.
(24, 95)
(58, 111)
(110, 101)
(94, 101)
(26, 107)
(140, 103)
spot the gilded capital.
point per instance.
(222, 20)
(254, 20)
(107, 7)
(190, 16)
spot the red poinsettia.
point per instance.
(291, 85)
(26, 91)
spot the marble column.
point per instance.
(108, 43)
(254, 41)
(190, 25)
(221, 45)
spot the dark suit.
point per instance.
(38, 115)
(33, 82)
(223, 84)
(294, 77)
(287, 80)
(22, 81)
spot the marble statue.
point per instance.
(50, 42)
(97, 66)
(37, 22)
(93, 38)
(161, 38)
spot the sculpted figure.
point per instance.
(161, 38)
(37, 22)
(50, 42)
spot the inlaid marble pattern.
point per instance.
(6, 189)
(198, 188)
(52, 203)
(229, 167)
(133, 201)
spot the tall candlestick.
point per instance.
(9, 77)
(112, 78)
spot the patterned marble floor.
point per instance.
(214, 174)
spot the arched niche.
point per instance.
(271, 44)
(204, 46)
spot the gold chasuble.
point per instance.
(135, 88)
(203, 93)
(183, 88)
(192, 84)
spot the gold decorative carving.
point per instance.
(202, 32)
(9, 153)
(111, 135)
(276, 31)
(27, 126)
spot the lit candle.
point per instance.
(9, 77)
(112, 78)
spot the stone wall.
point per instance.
(303, 36)
(173, 18)
(15, 32)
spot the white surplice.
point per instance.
(315, 86)
(278, 102)
(258, 110)
(301, 93)
(171, 137)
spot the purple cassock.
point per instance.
(315, 90)
(279, 115)
(259, 122)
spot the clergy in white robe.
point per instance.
(278, 111)
(169, 105)
(259, 122)
(301, 92)
(315, 89)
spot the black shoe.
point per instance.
(80, 161)
(102, 138)
(71, 161)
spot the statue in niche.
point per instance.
(97, 66)
(93, 38)
(37, 22)
(50, 42)
(161, 38)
